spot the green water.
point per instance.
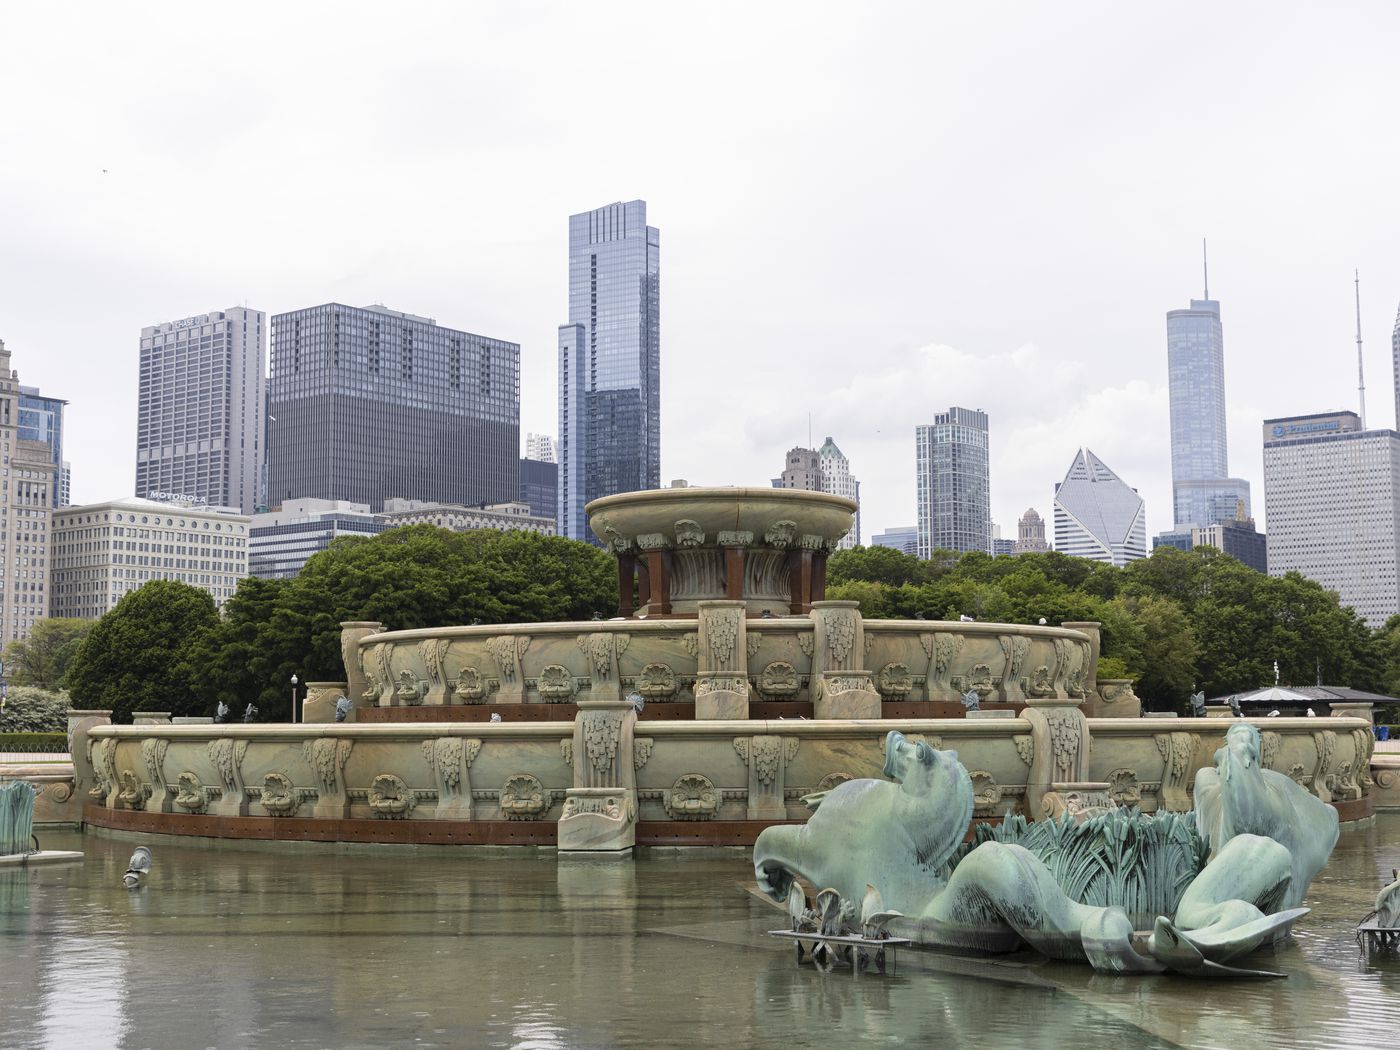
(243, 948)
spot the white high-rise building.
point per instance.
(102, 551)
(539, 447)
(825, 469)
(200, 426)
(839, 481)
(1097, 515)
(1331, 491)
(26, 515)
(1395, 361)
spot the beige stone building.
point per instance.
(105, 550)
(501, 516)
(26, 497)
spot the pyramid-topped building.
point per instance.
(1097, 515)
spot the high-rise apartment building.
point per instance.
(1030, 534)
(1097, 515)
(609, 362)
(954, 482)
(41, 420)
(1331, 492)
(369, 403)
(200, 426)
(26, 516)
(539, 447)
(824, 469)
(1202, 491)
(102, 551)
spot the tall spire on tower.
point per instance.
(1205, 266)
(1360, 371)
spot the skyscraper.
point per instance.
(539, 447)
(1395, 361)
(1202, 491)
(26, 516)
(824, 469)
(1097, 516)
(41, 419)
(365, 404)
(609, 362)
(200, 426)
(954, 482)
(1331, 492)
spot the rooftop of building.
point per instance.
(162, 506)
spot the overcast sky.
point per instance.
(868, 212)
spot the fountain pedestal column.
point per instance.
(600, 810)
(722, 680)
(841, 686)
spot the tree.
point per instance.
(133, 658)
(875, 565)
(42, 659)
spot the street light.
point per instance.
(294, 699)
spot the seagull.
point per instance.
(137, 868)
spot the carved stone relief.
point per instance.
(390, 798)
(132, 794)
(227, 757)
(894, 681)
(556, 683)
(656, 682)
(410, 689)
(781, 534)
(601, 731)
(469, 687)
(1177, 751)
(1123, 787)
(327, 757)
(279, 796)
(767, 758)
(1326, 744)
(191, 796)
(523, 797)
(941, 650)
(692, 797)
(689, 533)
(985, 792)
(779, 678)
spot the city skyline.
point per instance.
(1053, 327)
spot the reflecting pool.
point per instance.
(372, 947)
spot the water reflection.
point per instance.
(233, 948)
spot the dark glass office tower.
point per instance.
(609, 362)
(365, 404)
(41, 419)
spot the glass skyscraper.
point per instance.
(954, 483)
(1097, 515)
(365, 404)
(609, 362)
(1202, 491)
(41, 419)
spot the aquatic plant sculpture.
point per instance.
(16, 818)
(902, 839)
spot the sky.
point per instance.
(868, 212)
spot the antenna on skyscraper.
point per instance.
(1205, 266)
(1360, 371)
(809, 430)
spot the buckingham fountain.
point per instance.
(730, 703)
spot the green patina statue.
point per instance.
(902, 843)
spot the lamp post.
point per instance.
(294, 699)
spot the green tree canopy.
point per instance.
(132, 659)
(42, 659)
(415, 576)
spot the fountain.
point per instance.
(756, 690)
